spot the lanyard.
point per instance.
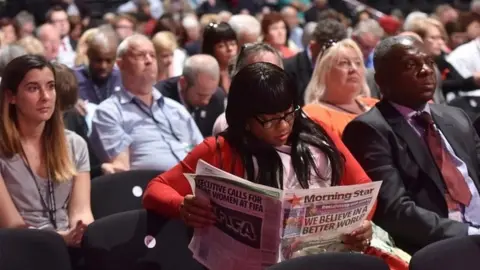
(49, 202)
(360, 105)
(150, 114)
(101, 95)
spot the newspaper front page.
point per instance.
(246, 235)
(315, 219)
(258, 226)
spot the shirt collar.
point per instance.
(126, 96)
(409, 112)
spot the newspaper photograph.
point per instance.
(315, 219)
(248, 222)
(258, 226)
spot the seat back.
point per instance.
(332, 261)
(29, 249)
(119, 192)
(138, 240)
(454, 253)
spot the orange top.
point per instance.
(335, 120)
(165, 192)
(286, 52)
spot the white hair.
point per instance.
(475, 5)
(46, 27)
(368, 26)
(190, 22)
(317, 87)
(125, 44)
(8, 53)
(307, 35)
(413, 16)
(244, 23)
(200, 63)
(288, 10)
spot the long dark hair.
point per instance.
(54, 142)
(264, 88)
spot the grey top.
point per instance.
(23, 190)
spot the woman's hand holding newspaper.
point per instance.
(359, 239)
(196, 212)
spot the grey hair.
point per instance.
(200, 63)
(385, 46)
(42, 28)
(253, 49)
(243, 23)
(308, 30)
(413, 16)
(125, 44)
(329, 29)
(23, 17)
(8, 53)
(287, 10)
(190, 22)
(368, 26)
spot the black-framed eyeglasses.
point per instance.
(288, 117)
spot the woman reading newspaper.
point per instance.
(269, 141)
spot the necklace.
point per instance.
(362, 106)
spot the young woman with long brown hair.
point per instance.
(44, 169)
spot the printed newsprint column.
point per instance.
(315, 219)
(247, 232)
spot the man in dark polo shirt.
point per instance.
(197, 89)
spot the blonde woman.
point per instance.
(169, 60)
(44, 169)
(81, 54)
(433, 35)
(32, 45)
(338, 90)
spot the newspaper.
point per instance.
(258, 226)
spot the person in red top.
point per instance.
(269, 141)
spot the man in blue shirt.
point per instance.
(98, 80)
(137, 127)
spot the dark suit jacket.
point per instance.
(204, 116)
(411, 203)
(300, 69)
(73, 43)
(194, 47)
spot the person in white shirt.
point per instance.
(58, 17)
(466, 61)
(50, 39)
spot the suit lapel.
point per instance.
(450, 131)
(305, 66)
(416, 146)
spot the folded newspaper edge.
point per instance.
(269, 225)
